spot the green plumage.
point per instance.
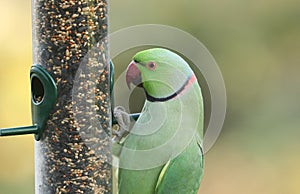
(163, 154)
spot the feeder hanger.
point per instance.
(43, 98)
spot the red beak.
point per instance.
(133, 75)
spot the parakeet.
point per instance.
(163, 154)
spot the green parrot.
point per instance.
(163, 151)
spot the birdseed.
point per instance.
(70, 42)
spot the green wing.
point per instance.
(182, 174)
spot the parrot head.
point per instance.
(160, 72)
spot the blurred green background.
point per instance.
(257, 47)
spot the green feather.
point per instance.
(182, 166)
(183, 173)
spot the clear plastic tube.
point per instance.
(70, 42)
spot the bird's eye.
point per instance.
(151, 66)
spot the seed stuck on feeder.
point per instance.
(70, 41)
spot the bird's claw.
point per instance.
(121, 129)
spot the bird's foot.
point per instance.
(121, 129)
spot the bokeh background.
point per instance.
(257, 47)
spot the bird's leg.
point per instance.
(119, 115)
(122, 125)
(120, 118)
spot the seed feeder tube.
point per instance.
(70, 41)
(70, 90)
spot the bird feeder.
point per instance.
(70, 97)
